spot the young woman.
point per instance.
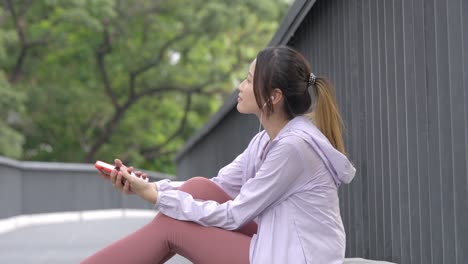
(286, 182)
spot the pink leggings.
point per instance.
(159, 240)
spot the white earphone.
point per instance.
(261, 113)
(271, 99)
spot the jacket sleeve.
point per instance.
(229, 178)
(166, 185)
(282, 166)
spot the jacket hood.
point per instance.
(336, 162)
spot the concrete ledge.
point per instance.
(21, 221)
(65, 166)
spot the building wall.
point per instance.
(401, 74)
(400, 68)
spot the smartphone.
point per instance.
(107, 168)
(104, 167)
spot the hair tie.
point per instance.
(312, 79)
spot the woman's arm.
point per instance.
(229, 178)
(167, 185)
(283, 165)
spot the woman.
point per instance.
(286, 182)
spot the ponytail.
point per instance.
(326, 115)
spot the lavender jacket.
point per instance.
(289, 186)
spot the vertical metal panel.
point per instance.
(419, 124)
(461, 152)
(458, 197)
(395, 72)
(463, 186)
(377, 128)
(400, 69)
(423, 208)
(358, 111)
(390, 160)
(365, 148)
(444, 130)
(434, 148)
(406, 111)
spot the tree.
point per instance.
(133, 79)
(11, 140)
(11, 102)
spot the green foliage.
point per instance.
(82, 53)
(11, 103)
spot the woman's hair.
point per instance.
(286, 69)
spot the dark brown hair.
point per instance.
(286, 69)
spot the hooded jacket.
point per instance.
(288, 185)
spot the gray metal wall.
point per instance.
(42, 187)
(401, 72)
(400, 68)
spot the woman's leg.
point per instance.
(158, 240)
(204, 189)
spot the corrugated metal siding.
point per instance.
(400, 69)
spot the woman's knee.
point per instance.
(204, 189)
(194, 183)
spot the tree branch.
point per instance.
(134, 96)
(105, 134)
(119, 113)
(25, 8)
(150, 152)
(101, 52)
(25, 46)
(16, 20)
(13, 75)
(134, 74)
(157, 151)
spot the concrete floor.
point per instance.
(71, 241)
(66, 242)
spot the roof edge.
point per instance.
(293, 19)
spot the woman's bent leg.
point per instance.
(158, 240)
(204, 189)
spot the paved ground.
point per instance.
(66, 242)
(70, 238)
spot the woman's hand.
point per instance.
(123, 186)
(126, 182)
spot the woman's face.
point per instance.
(246, 103)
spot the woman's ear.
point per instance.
(276, 95)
